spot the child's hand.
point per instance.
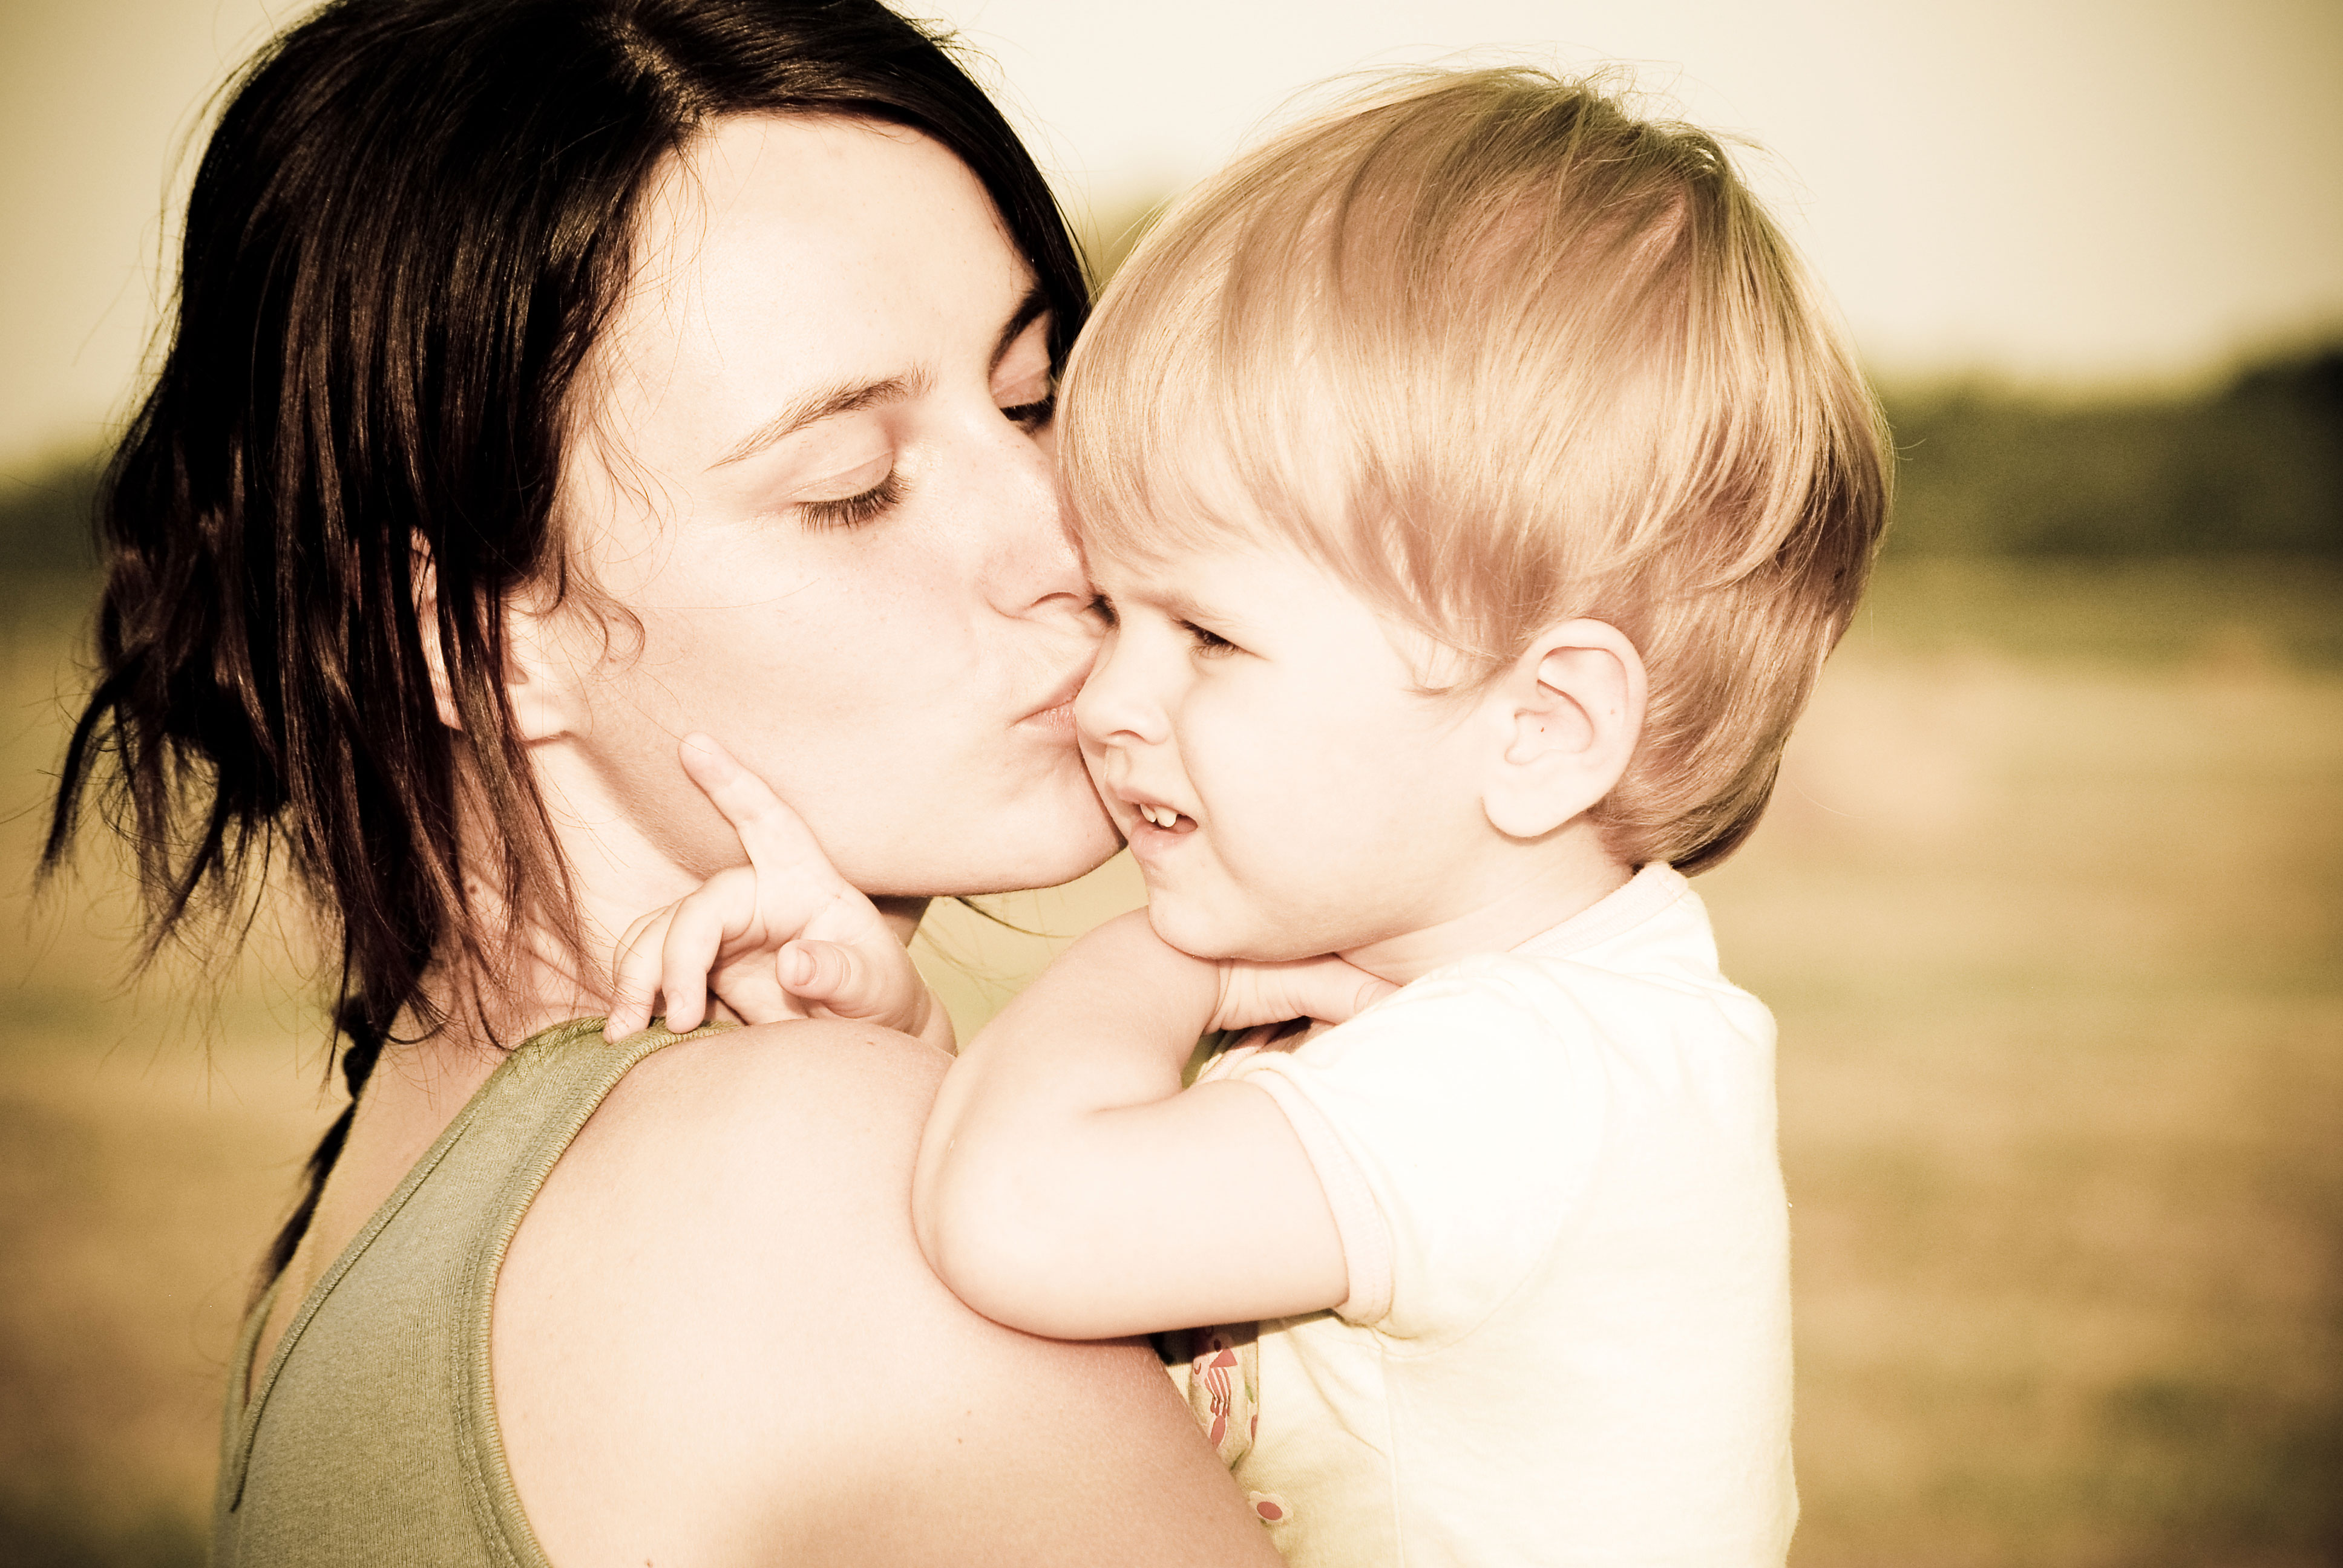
(1245, 993)
(783, 937)
(1325, 989)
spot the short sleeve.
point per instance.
(1456, 1128)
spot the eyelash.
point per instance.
(1209, 645)
(853, 511)
(1032, 416)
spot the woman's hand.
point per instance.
(784, 937)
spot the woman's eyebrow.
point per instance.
(1029, 309)
(824, 403)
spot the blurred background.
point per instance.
(2048, 904)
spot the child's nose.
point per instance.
(1113, 707)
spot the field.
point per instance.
(2048, 906)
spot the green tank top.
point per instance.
(371, 1435)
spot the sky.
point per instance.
(2064, 192)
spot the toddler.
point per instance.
(1473, 486)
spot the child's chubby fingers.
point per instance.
(872, 982)
(1320, 988)
(719, 910)
(748, 989)
(635, 974)
(779, 843)
(849, 981)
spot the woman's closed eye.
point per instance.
(868, 491)
(1024, 382)
(1033, 416)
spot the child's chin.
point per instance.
(1193, 933)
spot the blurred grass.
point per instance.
(2053, 943)
(2253, 466)
(2049, 906)
(145, 1148)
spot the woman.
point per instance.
(549, 378)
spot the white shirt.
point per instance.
(1567, 1338)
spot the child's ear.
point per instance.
(539, 685)
(1569, 711)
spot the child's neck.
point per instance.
(1519, 896)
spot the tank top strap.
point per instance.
(371, 1435)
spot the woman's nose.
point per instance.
(1036, 569)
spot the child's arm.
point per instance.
(783, 937)
(1067, 1184)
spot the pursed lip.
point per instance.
(1059, 706)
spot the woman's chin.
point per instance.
(1036, 844)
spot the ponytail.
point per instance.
(358, 1059)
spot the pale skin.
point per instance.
(1242, 725)
(814, 475)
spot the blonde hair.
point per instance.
(1500, 355)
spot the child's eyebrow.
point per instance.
(1187, 609)
(1142, 583)
(1181, 605)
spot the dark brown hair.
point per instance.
(410, 224)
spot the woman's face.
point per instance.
(811, 474)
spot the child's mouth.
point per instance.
(1164, 817)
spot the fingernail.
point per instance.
(796, 965)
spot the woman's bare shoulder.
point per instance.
(756, 1081)
(715, 1339)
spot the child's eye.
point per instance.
(853, 511)
(1209, 644)
(1103, 608)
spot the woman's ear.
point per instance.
(424, 573)
(540, 687)
(1571, 712)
